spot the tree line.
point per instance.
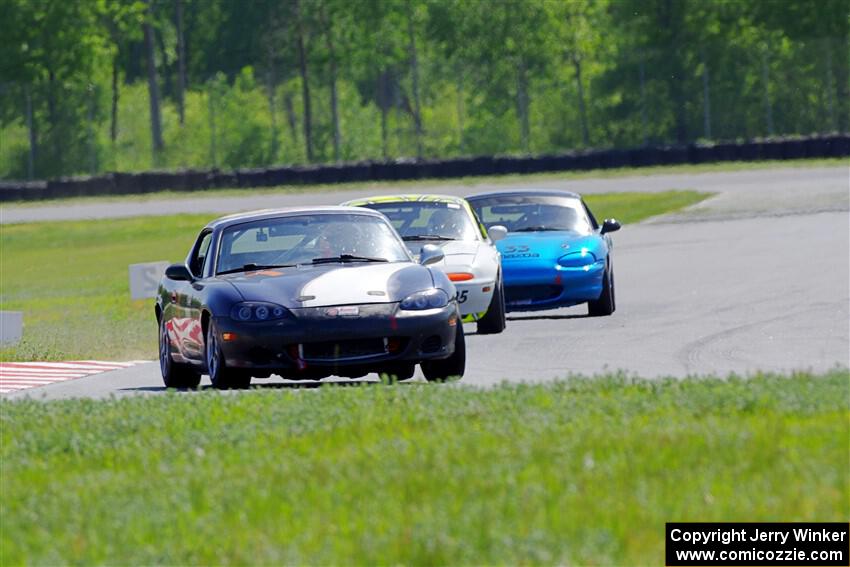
(98, 85)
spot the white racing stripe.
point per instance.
(29, 383)
(16, 376)
(63, 365)
(40, 380)
(47, 377)
(46, 374)
(104, 364)
(350, 285)
(47, 371)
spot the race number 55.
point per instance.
(516, 249)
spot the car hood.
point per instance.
(458, 252)
(332, 284)
(546, 244)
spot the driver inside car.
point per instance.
(551, 217)
(444, 223)
(337, 239)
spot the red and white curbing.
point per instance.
(16, 376)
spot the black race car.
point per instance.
(306, 293)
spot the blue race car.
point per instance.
(555, 253)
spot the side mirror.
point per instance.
(178, 272)
(610, 225)
(497, 232)
(431, 254)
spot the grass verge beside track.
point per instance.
(582, 471)
(71, 281)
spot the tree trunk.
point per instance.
(153, 90)
(335, 114)
(768, 107)
(305, 82)
(384, 103)
(681, 110)
(211, 100)
(582, 110)
(842, 81)
(92, 91)
(643, 120)
(385, 153)
(522, 104)
(673, 23)
(830, 87)
(53, 118)
(460, 110)
(414, 68)
(706, 98)
(113, 122)
(33, 138)
(181, 64)
(271, 82)
(165, 68)
(291, 117)
(329, 42)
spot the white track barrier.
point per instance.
(11, 327)
(144, 279)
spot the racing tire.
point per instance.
(493, 321)
(174, 374)
(221, 376)
(606, 303)
(453, 366)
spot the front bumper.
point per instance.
(472, 298)
(319, 341)
(534, 286)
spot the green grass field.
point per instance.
(71, 279)
(583, 471)
(434, 184)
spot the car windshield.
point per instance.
(428, 220)
(532, 213)
(308, 238)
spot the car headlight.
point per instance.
(577, 259)
(429, 299)
(256, 311)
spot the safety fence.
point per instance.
(407, 169)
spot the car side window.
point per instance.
(199, 258)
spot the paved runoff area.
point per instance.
(756, 278)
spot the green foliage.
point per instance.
(53, 56)
(505, 76)
(70, 278)
(581, 471)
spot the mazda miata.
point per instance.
(306, 293)
(555, 254)
(471, 259)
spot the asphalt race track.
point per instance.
(755, 278)
(762, 191)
